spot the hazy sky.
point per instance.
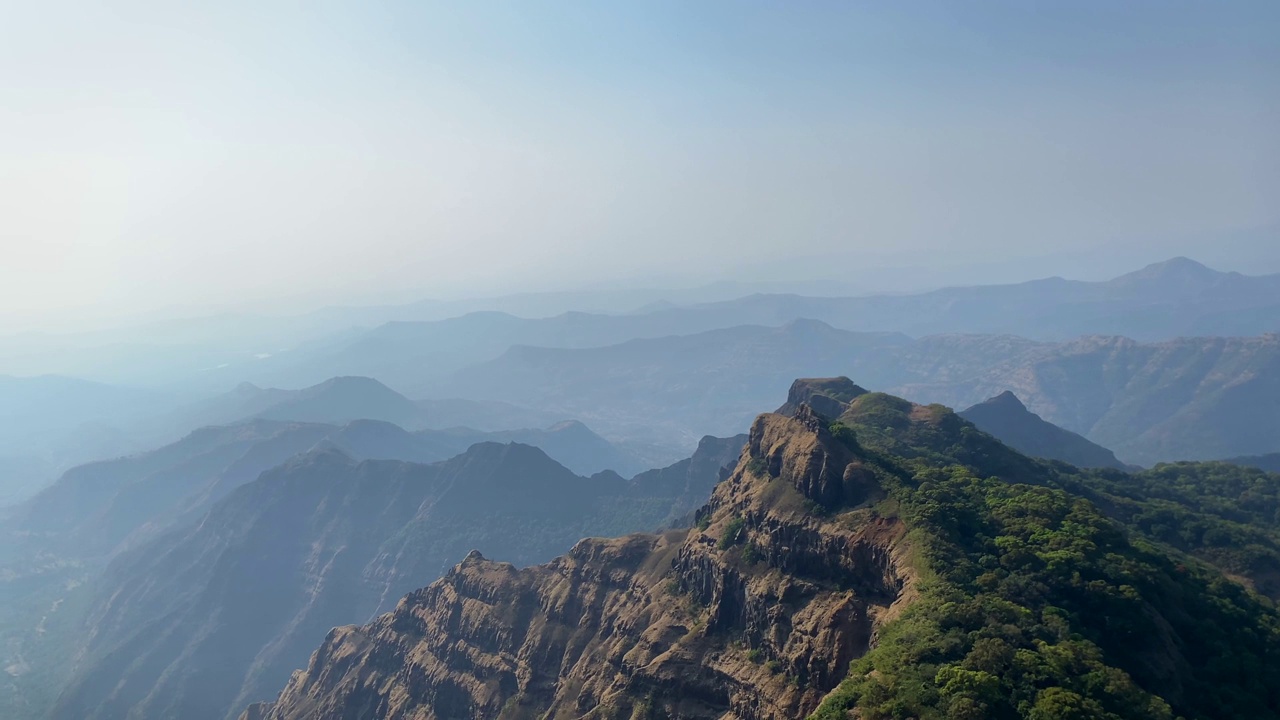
(202, 154)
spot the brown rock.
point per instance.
(755, 617)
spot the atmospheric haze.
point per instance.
(161, 158)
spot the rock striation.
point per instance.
(755, 613)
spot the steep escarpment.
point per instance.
(215, 614)
(891, 562)
(755, 613)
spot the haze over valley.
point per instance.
(415, 361)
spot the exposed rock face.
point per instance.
(198, 623)
(690, 481)
(754, 615)
(826, 396)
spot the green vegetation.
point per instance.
(844, 434)
(735, 531)
(758, 467)
(1066, 594)
(1224, 514)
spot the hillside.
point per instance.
(93, 508)
(1006, 418)
(50, 423)
(1269, 462)
(894, 539)
(679, 387)
(326, 540)
(1185, 399)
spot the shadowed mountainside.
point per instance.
(1190, 398)
(899, 538)
(326, 540)
(1005, 417)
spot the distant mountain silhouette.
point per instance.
(1269, 462)
(1183, 399)
(670, 388)
(91, 509)
(1175, 298)
(50, 423)
(1005, 417)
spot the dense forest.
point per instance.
(1066, 594)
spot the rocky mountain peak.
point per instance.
(826, 396)
(755, 614)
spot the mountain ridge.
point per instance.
(324, 539)
(829, 574)
(1005, 417)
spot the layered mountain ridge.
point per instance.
(654, 610)
(1199, 398)
(326, 539)
(892, 561)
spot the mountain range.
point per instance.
(411, 347)
(93, 508)
(1163, 301)
(1269, 462)
(63, 422)
(889, 561)
(1190, 398)
(323, 540)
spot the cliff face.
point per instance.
(200, 622)
(756, 613)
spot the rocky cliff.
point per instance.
(891, 562)
(201, 621)
(754, 613)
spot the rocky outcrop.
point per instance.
(754, 614)
(199, 622)
(829, 397)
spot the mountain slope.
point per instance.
(326, 540)
(342, 399)
(1269, 462)
(91, 509)
(638, 622)
(888, 539)
(1005, 417)
(1190, 398)
(50, 423)
(677, 388)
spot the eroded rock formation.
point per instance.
(754, 614)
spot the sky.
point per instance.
(172, 157)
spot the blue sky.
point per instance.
(167, 155)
